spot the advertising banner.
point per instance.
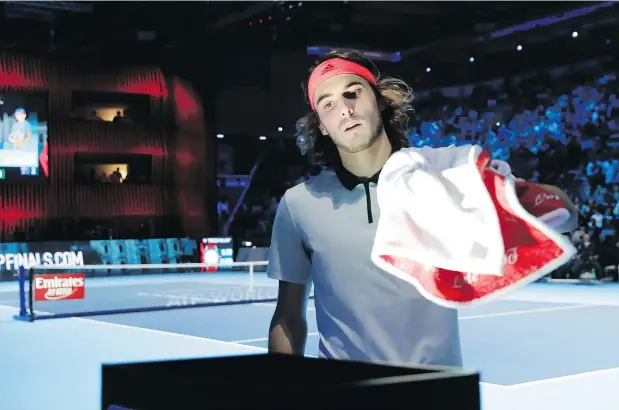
(59, 287)
(99, 252)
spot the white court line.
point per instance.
(527, 311)
(264, 339)
(562, 379)
(272, 305)
(162, 295)
(488, 315)
(595, 300)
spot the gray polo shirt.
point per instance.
(323, 233)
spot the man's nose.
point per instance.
(348, 108)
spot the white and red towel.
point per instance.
(460, 228)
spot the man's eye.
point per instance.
(352, 94)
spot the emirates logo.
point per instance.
(328, 68)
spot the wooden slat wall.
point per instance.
(26, 203)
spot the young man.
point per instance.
(324, 230)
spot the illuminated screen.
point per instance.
(216, 251)
(23, 137)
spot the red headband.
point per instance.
(335, 66)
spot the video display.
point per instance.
(23, 137)
(217, 252)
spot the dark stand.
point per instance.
(285, 382)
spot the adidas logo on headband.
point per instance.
(328, 67)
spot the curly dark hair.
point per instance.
(391, 93)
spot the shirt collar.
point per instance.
(350, 180)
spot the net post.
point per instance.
(22, 291)
(24, 297)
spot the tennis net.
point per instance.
(69, 291)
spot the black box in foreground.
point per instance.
(285, 382)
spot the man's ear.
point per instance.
(323, 130)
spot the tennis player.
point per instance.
(324, 229)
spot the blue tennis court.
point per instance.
(550, 346)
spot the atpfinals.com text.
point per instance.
(12, 261)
